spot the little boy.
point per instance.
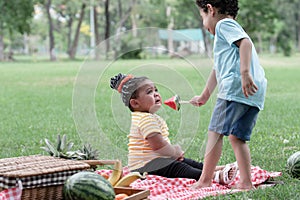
(241, 89)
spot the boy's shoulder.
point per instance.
(230, 28)
(228, 22)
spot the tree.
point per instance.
(107, 26)
(257, 18)
(15, 16)
(50, 30)
(289, 34)
(73, 48)
(96, 30)
(69, 11)
(122, 19)
(192, 19)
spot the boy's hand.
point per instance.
(248, 86)
(198, 100)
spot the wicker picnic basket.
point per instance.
(41, 177)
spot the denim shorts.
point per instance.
(230, 117)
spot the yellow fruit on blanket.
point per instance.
(125, 181)
(116, 173)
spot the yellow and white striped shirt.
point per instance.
(143, 124)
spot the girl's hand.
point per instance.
(248, 86)
(181, 157)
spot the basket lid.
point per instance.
(37, 165)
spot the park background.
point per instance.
(46, 46)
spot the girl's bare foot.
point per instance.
(226, 175)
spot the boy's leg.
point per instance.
(241, 132)
(242, 154)
(212, 155)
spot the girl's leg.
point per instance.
(170, 168)
(219, 167)
(178, 169)
(193, 163)
(212, 155)
(242, 154)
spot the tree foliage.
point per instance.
(268, 24)
(16, 15)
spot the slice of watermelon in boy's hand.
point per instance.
(174, 102)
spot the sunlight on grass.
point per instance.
(36, 102)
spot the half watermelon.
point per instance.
(173, 102)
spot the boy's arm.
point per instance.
(245, 48)
(161, 146)
(207, 91)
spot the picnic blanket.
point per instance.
(162, 188)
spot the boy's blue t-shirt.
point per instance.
(227, 65)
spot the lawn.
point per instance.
(40, 99)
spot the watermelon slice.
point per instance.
(173, 102)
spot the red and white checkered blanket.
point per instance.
(162, 188)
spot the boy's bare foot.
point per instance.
(241, 186)
(199, 185)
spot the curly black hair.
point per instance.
(129, 88)
(227, 7)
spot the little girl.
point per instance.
(150, 149)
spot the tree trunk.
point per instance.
(170, 38)
(298, 30)
(26, 50)
(170, 32)
(259, 47)
(298, 26)
(97, 36)
(74, 46)
(120, 10)
(1, 44)
(123, 18)
(69, 34)
(51, 35)
(134, 26)
(107, 27)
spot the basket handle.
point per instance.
(100, 162)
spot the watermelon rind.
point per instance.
(293, 165)
(88, 186)
(177, 99)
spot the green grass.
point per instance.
(42, 99)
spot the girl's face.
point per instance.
(148, 99)
(209, 19)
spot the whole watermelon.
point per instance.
(293, 165)
(88, 186)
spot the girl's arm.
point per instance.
(245, 48)
(207, 91)
(162, 147)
